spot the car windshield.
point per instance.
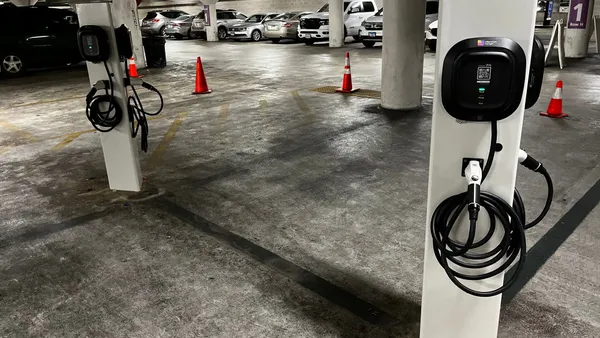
(380, 12)
(200, 16)
(150, 15)
(325, 7)
(285, 16)
(255, 18)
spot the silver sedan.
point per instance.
(252, 28)
(284, 26)
(180, 27)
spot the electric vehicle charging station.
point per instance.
(118, 115)
(480, 87)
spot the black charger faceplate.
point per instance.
(124, 44)
(93, 43)
(536, 72)
(483, 79)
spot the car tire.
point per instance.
(161, 31)
(275, 40)
(222, 33)
(192, 35)
(309, 42)
(12, 65)
(432, 44)
(357, 38)
(256, 35)
(369, 44)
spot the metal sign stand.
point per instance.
(557, 36)
(596, 19)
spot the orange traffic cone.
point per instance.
(201, 85)
(347, 82)
(133, 69)
(555, 107)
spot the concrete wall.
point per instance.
(246, 6)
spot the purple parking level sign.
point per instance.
(578, 14)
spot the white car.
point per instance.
(372, 29)
(431, 35)
(315, 27)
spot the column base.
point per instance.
(399, 110)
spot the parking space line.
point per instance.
(49, 101)
(224, 111)
(160, 150)
(300, 102)
(263, 105)
(70, 138)
(22, 133)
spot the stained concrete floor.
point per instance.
(252, 192)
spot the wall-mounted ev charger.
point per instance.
(483, 79)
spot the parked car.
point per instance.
(252, 28)
(36, 37)
(225, 18)
(180, 27)
(431, 36)
(371, 31)
(156, 22)
(285, 26)
(315, 27)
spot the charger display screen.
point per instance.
(91, 47)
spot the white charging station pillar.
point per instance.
(403, 44)
(447, 311)
(212, 30)
(126, 11)
(120, 149)
(336, 23)
(579, 28)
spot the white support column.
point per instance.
(125, 12)
(336, 23)
(403, 45)
(447, 311)
(212, 31)
(579, 28)
(120, 149)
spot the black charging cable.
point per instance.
(471, 256)
(103, 120)
(137, 113)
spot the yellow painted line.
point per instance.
(224, 111)
(300, 102)
(160, 150)
(22, 133)
(50, 101)
(70, 138)
(263, 105)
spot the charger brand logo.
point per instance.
(480, 43)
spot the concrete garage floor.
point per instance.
(254, 191)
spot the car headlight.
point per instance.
(324, 23)
(364, 24)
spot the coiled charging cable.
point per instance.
(469, 258)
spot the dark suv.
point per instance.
(35, 37)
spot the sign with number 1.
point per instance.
(578, 14)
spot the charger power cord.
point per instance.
(476, 259)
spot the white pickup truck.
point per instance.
(315, 27)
